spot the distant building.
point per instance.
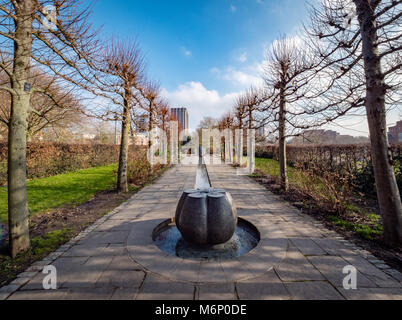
(261, 131)
(327, 137)
(316, 137)
(347, 139)
(319, 136)
(181, 115)
(138, 139)
(395, 132)
(141, 123)
(141, 139)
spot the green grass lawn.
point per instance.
(271, 168)
(296, 177)
(65, 189)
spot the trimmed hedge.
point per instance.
(48, 159)
(340, 159)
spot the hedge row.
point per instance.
(351, 159)
(48, 159)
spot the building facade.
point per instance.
(319, 136)
(181, 115)
(395, 132)
(140, 139)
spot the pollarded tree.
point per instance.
(163, 112)
(288, 77)
(59, 43)
(150, 91)
(227, 121)
(119, 82)
(360, 44)
(293, 100)
(252, 99)
(57, 111)
(247, 105)
(205, 123)
(240, 111)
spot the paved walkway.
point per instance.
(297, 257)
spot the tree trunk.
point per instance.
(150, 128)
(122, 184)
(151, 119)
(387, 188)
(18, 215)
(282, 143)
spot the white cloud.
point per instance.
(200, 101)
(294, 39)
(186, 52)
(242, 58)
(233, 8)
(242, 78)
(215, 70)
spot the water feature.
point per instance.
(169, 239)
(206, 216)
(202, 179)
(206, 225)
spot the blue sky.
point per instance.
(183, 40)
(204, 52)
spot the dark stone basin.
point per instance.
(168, 238)
(206, 216)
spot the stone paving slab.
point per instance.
(372, 294)
(296, 267)
(120, 279)
(329, 266)
(297, 257)
(313, 290)
(265, 287)
(155, 288)
(59, 294)
(125, 294)
(89, 294)
(307, 247)
(216, 292)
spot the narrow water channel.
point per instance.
(202, 180)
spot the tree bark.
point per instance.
(387, 188)
(282, 143)
(151, 119)
(18, 214)
(122, 184)
(250, 118)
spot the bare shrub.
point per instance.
(331, 190)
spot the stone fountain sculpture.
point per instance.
(206, 216)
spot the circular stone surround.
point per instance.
(168, 238)
(270, 250)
